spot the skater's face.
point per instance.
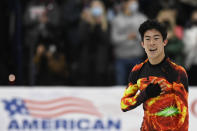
(154, 44)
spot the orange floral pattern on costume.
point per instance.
(167, 111)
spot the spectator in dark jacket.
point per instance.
(94, 55)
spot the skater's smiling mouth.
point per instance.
(153, 49)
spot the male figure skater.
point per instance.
(158, 83)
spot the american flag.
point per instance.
(50, 108)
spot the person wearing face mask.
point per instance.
(174, 48)
(125, 39)
(96, 11)
(94, 55)
(133, 7)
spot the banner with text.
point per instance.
(73, 109)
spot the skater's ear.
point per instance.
(165, 42)
(142, 44)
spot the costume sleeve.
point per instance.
(132, 97)
(180, 89)
(184, 79)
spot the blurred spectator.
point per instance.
(171, 15)
(70, 20)
(175, 46)
(190, 40)
(42, 31)
(151, 8)
(94, 54)
(127, 49)
(50, 66)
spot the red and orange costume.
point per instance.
(167, 111)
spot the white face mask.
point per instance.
(97, 11)
(133, 7)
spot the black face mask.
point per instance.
(194, 23)
(167, 24)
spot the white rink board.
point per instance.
(98, 109)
